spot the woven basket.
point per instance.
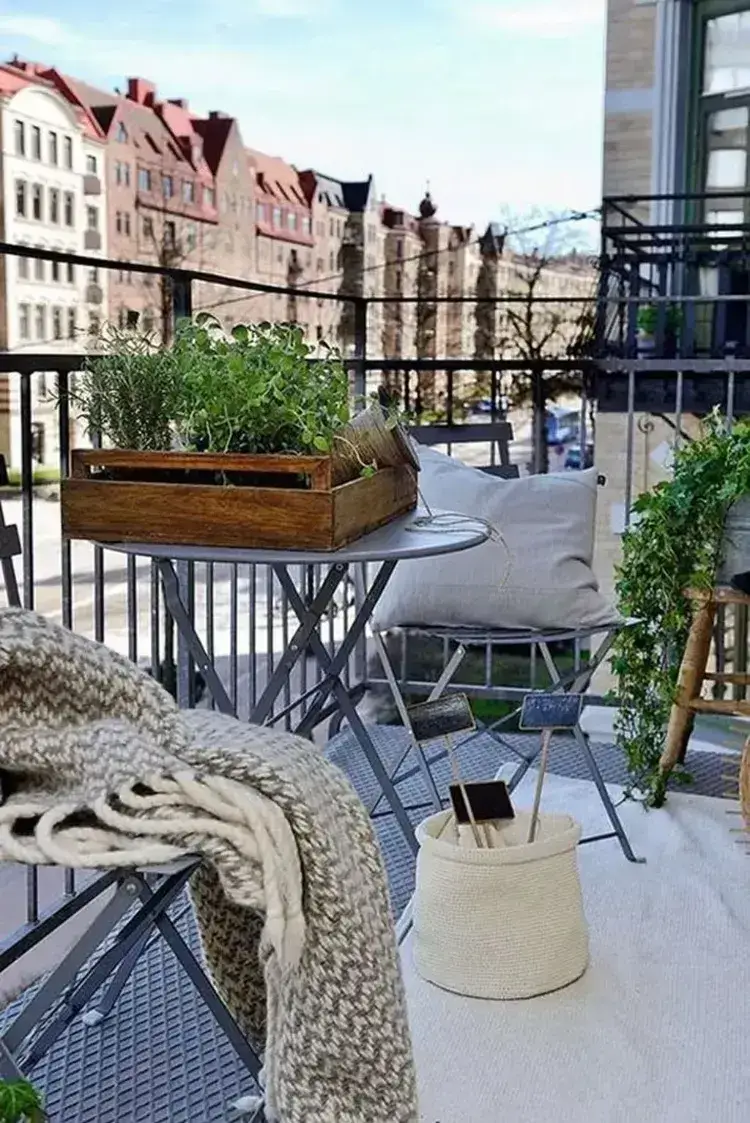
(506, 922)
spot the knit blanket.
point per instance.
(291, 898)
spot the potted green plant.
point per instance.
(239, 439)
(648, 325)
(20, 1102)
(675, 541)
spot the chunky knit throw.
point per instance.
(291, 898)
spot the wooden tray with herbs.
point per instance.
(210, 499)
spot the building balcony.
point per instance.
(92, 185)
(675, 280)
(92, 240)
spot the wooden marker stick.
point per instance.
(457, 779)
(546, 738)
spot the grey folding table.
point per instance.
(400, 540)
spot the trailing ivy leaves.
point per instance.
(20, 1102)
(673, 543)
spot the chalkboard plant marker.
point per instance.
(546, 738)
(464, 795)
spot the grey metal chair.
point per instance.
(135, 912)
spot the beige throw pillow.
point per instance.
(539, 576)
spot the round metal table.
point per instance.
(398, 541)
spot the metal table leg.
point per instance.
(333, 684)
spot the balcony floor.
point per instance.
(160, 1058)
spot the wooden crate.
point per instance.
(100, 503)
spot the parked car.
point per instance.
(573, 458)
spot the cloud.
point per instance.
(41, 29)
(548, 18)
(291, 9)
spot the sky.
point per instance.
(498, 104)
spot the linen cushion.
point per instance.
(541, 577)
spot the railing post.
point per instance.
(182, 298)
(182, 308)
(360, 347)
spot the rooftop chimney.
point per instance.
(180, 102)
(217, 115)
(141, 91)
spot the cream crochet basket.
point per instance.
(505, 922)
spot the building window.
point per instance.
(23, 268)
(118, 222)
(68, 151)
(144, 179)
(94, 275)
(170, 235)
(39, 266)
(126, 223)
(19, 131)
(306, 227)
(94, 323)
(122, 134)
(91, 165)
(400, 248)
(167, 186)
(262, 212)
(57, 325)
(36, 201)
(332, 228)
(209, 196)
(188, 191)
(53, 149)
(92, 218)
(148, 227)
(320, 265)
(331, 262)
(71, 323)
(277, 216)
(54, 205)
(190, 238)
(20, 198)
(291, 219)
(41, 321)
(71, 273)
(55, 270)
(36, 142)
(69, 209)
(131, 318)
(24, 321)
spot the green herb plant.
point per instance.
(257, 390)
(129, 396)
(648, 319)
(20, 1102)
(260, 389)
(673, 543)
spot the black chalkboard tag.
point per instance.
(541, 710)
(489, 801)
(449, 714)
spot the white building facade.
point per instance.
(53, 184)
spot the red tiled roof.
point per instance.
(276, 179)
(20, 73)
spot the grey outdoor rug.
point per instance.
(159, 1057)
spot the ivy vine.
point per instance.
(674, 542)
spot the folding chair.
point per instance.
(108, 950)
(576, 681)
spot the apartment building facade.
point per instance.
(676, 223)
(54, 191)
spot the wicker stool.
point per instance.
(693, 674)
